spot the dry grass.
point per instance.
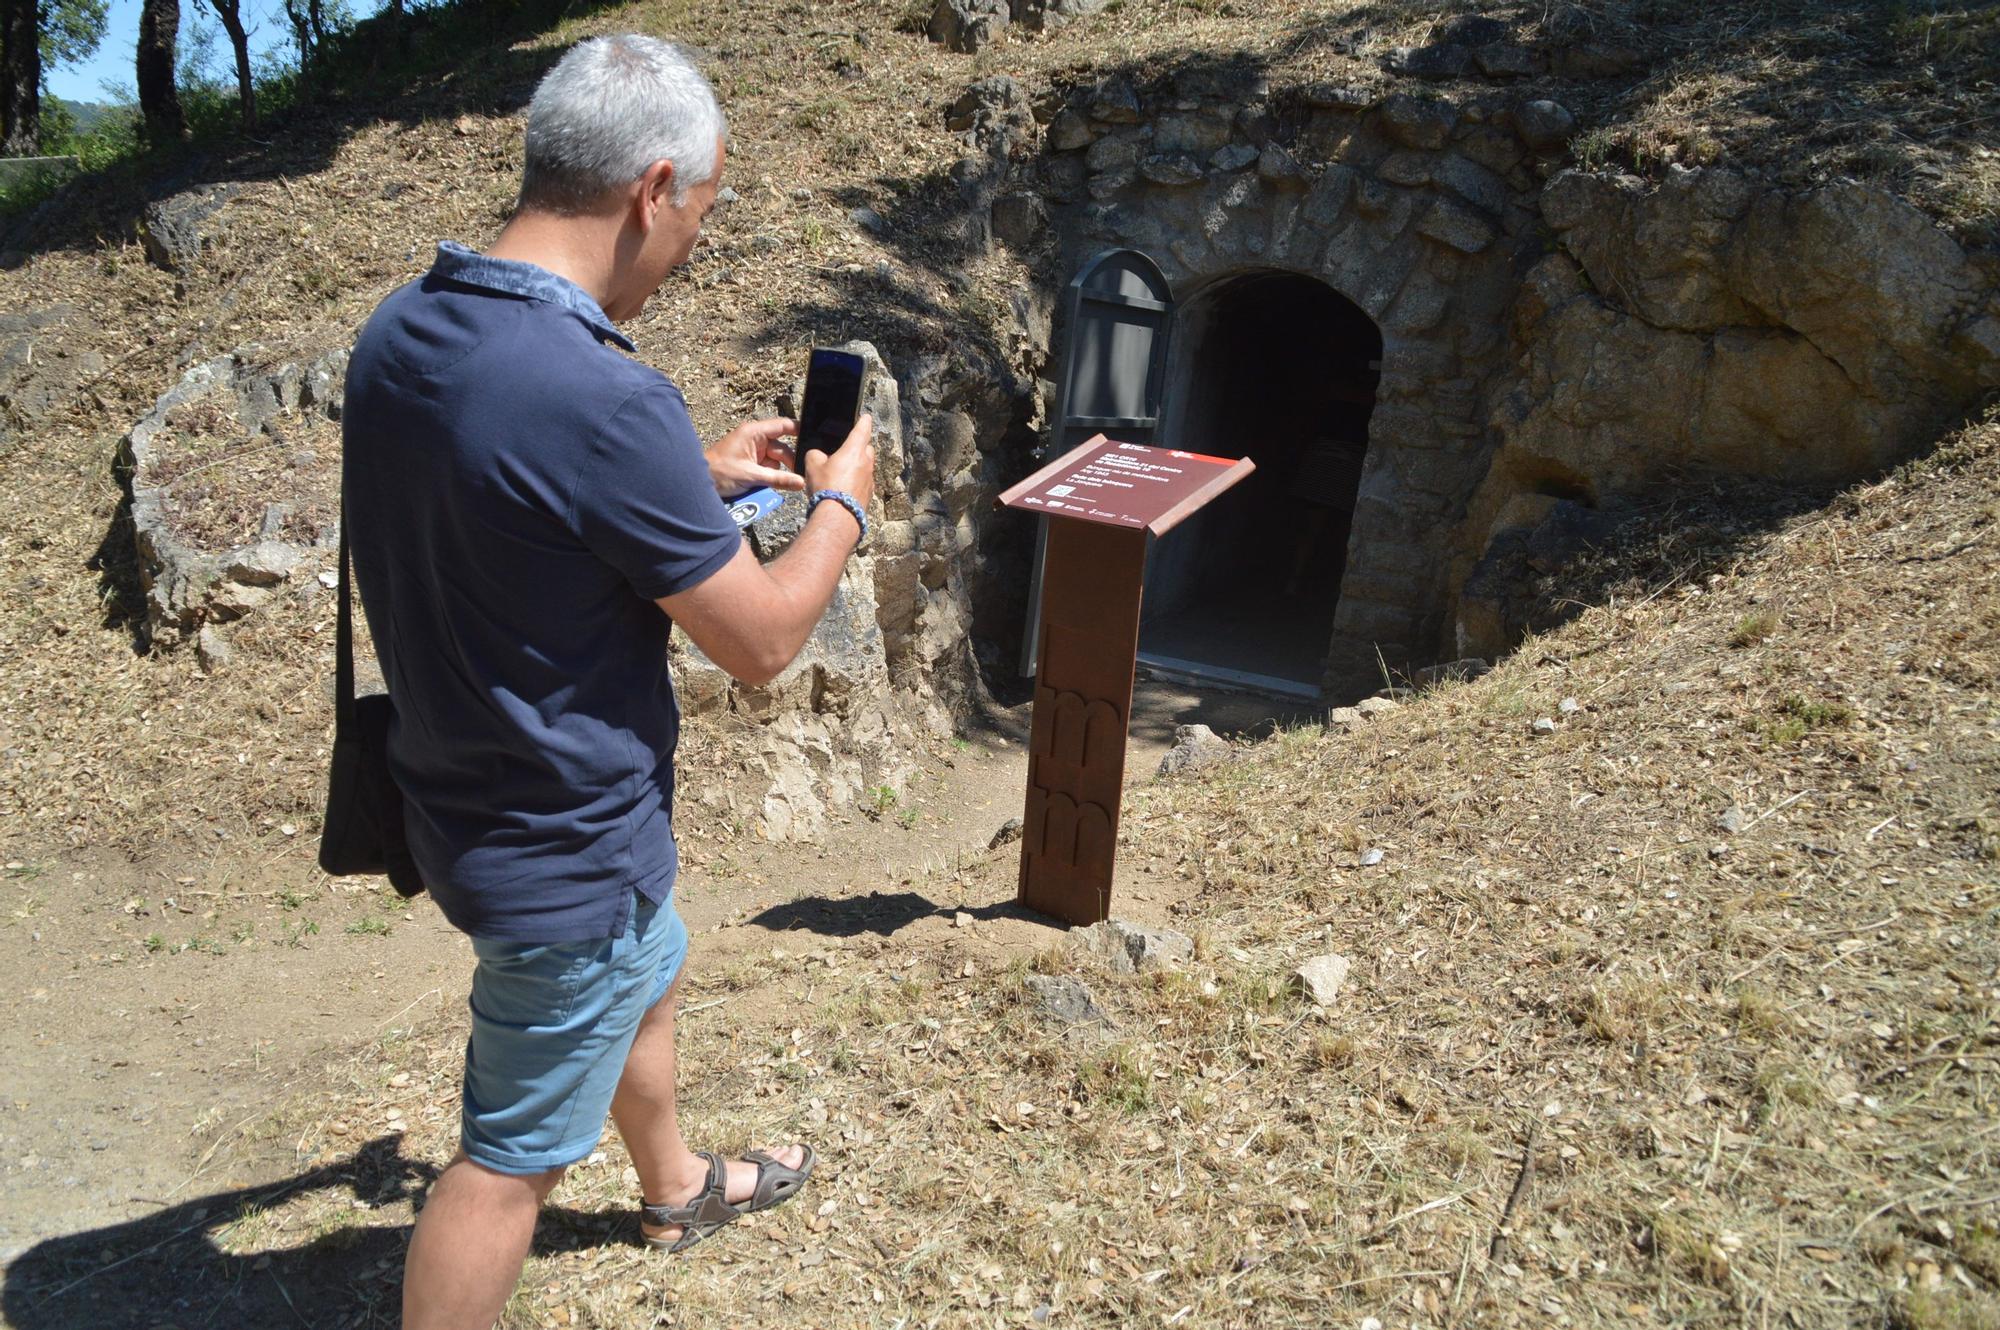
(1758, 1071)
(1764, 1078)
(99, 747)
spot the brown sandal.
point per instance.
(708, 1211)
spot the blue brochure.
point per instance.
(758, 503)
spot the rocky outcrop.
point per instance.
(235, 477)
(37, 372)
(969, 25)
(175, 230)
(1713, 324)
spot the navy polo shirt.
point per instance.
(518, 493)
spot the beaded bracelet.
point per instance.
(846, 501)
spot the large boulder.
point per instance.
(176, 229)
(1711, 322)
(1048, 15)
(235, 477)
(968, 25)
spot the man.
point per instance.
(528, 508)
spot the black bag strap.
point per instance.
(343, 664)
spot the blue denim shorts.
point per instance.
(551, 1026)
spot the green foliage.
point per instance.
(71, 30)
(1753, 628)
(378, 58)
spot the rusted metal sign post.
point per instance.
(1105, 501)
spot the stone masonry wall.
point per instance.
(1550, 336)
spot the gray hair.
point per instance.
(610, 108)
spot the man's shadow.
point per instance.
(882, 914)
(170, 1271)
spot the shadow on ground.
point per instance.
(881, 913)
(171, 1270)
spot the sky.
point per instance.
(117, 55)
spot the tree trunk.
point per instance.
(159, 98)
(302, 34)
(20, 78)
(231, 14)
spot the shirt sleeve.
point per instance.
(644, 502)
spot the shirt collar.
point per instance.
(455, 262)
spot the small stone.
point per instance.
(1130, 948)
(1452, 223)
(726, 195)
(1195, 747)
(1114, 102)
(1375, 707)
(1233, 157)
(266, 563)
(1406, 168)
(868, 220)
(233, 600)
(329, 578)
(1733, 820)
(1544, 726)
(212, 649)
(1569, 706)
(1070, 131)
(1717, 851)
(961, 920)
(1445, 60)
(1418, 122)
(1171, 169)
(1544, 124)
(1067, 1000)
(989, 101)
(1020, 219)
(1009, 832)
(1345, 718)
(1321, 977)
(1370, 858)
(1279, 166)
(1111, 155)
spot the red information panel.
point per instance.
(1126, 484)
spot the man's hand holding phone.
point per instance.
(850, 468)
(755, 454)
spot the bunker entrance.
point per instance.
(1282, 369)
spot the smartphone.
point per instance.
(832, 404)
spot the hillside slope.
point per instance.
(1717, 948)
(1721, 953)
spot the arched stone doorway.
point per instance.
(1281, 368)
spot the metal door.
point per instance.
(1118, 314)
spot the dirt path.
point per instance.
(158, 1009)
